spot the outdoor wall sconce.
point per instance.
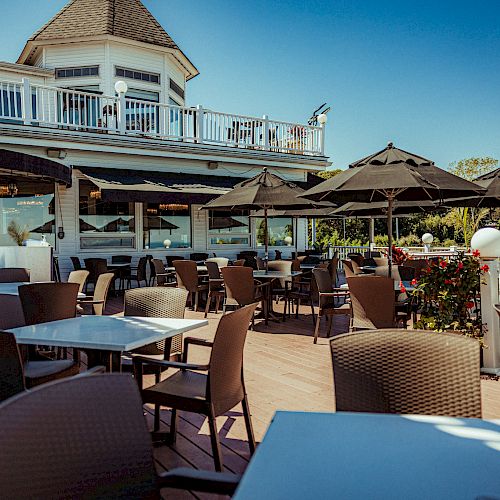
(213, 165)
(59, 154)
(60, 232)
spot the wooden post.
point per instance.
(199, 123)
(122, 113)
(390, 200)
(26, 102)
(265, 132)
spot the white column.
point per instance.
(490, 318)
(26, 100)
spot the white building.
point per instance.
(100, 173)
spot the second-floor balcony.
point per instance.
(33, 104)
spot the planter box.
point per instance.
(37, 259)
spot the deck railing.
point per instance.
(57, 107)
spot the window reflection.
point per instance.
(229, 228)
(167, 225)
(280, 230)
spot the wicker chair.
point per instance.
(215, 285)
(79, 277)
(300, 291)
(407, 372)
(348, 269)
(11, 312)
(172, 258)
(327, 294)
(98, 422)
(198, 256)
(373, 302)
(161, 275)
(187, 278)
(239, 263)
(95, 267)
(211, 394)
(140, 272)
(221, 261)
(98, 301)
(14, 275)
(77, 265)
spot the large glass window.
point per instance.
(167, 225)
(97, 216)
(140, 113)
(228, 228)
(26, 212)
(280, 231)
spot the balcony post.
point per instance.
(122, 113)
(322, 139)
(265, 132)
(26, 106)
(200, 116)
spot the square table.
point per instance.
(358, 455)
(104, 337)
(13, 288)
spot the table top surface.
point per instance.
(198, 268)
(107, 333)
(13, 288)
(276, 274)
(121, 264)
(397, 286)
(356, 455)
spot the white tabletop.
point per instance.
(199, 268)
(121, 264)
(397, 286)
(356, 455)
(13, 288)
(106, 333)
(276, 274)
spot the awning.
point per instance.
(22, 162)
(157, 187)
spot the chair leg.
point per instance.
(312, 311)
(207, 307)
(248, 425)
(217, 303)
(214, 438)
(316, 329)
(196, 296)
(173, 426)
(330, 321)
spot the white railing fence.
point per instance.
(65, 108)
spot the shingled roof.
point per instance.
(123, 18)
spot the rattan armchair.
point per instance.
(86, 437)
(187, 278)
(138, 273)
(96, 267)
(300, 291)
(408, 372)
(215, 285)
(327, 294)
(14, 275)
(98, 300)
(79, 277)
(212, 393)
(160, 273)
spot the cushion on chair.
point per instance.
(37, 371)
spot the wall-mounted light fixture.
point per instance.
(213, 165)
(59, 154)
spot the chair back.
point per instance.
(121, 259)
(261, 266)
(141, 268)
(172, 258)
(221, 261)
(159, 269)
(348, 270)
(198, 256)
(11, 367)
(159, 302)
(278, 255)
(284, 266)
(44, 302)
(101, 292)
(333, 269)
(14, 274)
(95, 267)
(381, 261)
(97, 421)
(406, 273)
(79, 277)
(77, 265)
(407, 371)
(323, 284)
(239, 262)
(11, 312)
(356, 257)
(213, 270)
(225, 388)
(187, 274)
(239, 284)
(373, 301)
(418, 265)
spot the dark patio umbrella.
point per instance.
(265, 191)
(225, 223)
(379, 209)
(490, 199)
(389, 175)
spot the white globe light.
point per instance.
(322, 119)
(167, 243)
(288, 240)
(427, 239)
(487, 241)
(121, 87)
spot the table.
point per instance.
(356, 455)
(13, 288)
(397, 286)
(199, 268)
(105, 337)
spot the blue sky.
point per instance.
(423, 74)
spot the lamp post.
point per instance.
(427, 239)
(322, 119)
(487, 242)
(121, 88)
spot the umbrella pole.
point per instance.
(266, 240)
(390, 200)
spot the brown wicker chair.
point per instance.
(98, 423)
(242, 289)
(79, 277)
(98, 301)
(373, 302)
(239, 262)
(327, 294)
(14, 275)
(408, 372)
(95, 267)
(348, 269)
(221, 261)
(171, 258)
(300, 291)
(211, 394)
(187, 278)
(161, 274)
(77, 265)
(11, 312)
(215, 285)
(140, 272)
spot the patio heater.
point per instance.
(487, 241)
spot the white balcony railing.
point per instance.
(56, 107)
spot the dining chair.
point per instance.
(221, 261)
(280, 287)
(242, 289)
(407, 372)
(77, 265)
(101, 289)
(96, 267)
(327, 294)
(215, 285)
(98, 422)
(79, 277)
(171, 258)
(198, 256)
(348, 268)
(300, 291)
(161, 274)
(212, 393)
(139, 273)
(239, 262)
(14, 274)
(123, 273)
(373, 302)
(11, 312)
(187, 277)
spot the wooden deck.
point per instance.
(284, 370)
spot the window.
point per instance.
(84, 110)
(83, 71)
(97, 217)
(278, 229)
(176, 88)
(143, 117)
(228, 228)
(133, 74)
(167, 225)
